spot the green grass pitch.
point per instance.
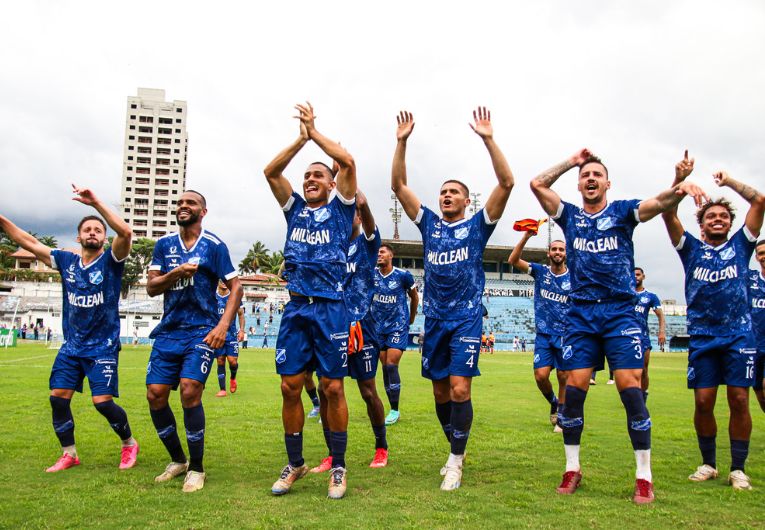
(513, 465)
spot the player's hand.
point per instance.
(303, 131)
(694, 191)
(216, 338)
(662, 339)
(580, 156)
(721, 178)
(684, 167)
(240, 335)
(306, 117)
(187, 270)
(84, 195)
(482, 127)
(405, 127)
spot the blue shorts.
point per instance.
(229, 349)
(604, 330)
(182, 355)
(759, 370)
(395, 339)
(548, 350)
(714, 361)
(363, 365)
(451, 347)
(313, 335)
(645, 343)
(68, 372)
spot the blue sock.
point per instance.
(571, 415)
(294, 444)
(164, 422)
(328, 440)
(63, 421)
(462, 420)
(222, 376)
(551, 397)
(234, 369)
(708, 448)
(194, 421)
(645, 396)
(394, 382)
(739, 450)
(386, 381)
(117, 418)
(444, 413)
(314, 397)
(638, 419)
(381, 441)
(339, 443)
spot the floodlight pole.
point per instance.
(395, 215)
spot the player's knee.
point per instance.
(460, 393)
(191, 392)
(333, 389)
(540, 376)
(739, 402)
(705, 405)
(157, 399)
(221, 361)
(233, 364)
(290, 390)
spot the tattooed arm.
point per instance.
(755, 199)
(540, 184)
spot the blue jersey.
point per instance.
(550, 299)
(600, 250)
(454, 278)
(317, 245)
(757, 298)
(191, 302)
(91, 297)
(222, 301)
(716, 284)
(646, 300)
(390, 306)
(359, 282)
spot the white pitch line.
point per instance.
(25, 359)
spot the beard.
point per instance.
(92, 245)
(192, 218)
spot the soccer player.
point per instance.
(552, 284)
(91, 282)
(757, 297)
(454, 283)
(601, 320)
(185, 268)
(721, 350)
(393, 316)
(363, 344)
(314, 327)
(647, 300)
(310, 389)
(230, 349)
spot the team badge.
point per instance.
(691, 373)
(462, 233)
(567, 352)
(195, 260)
(321, 215)
(643, 299)
(96, 277)
(566, 286)
(728, 253)
(604, 223)
(392, 284)
(536, 358)
(352, 250)
(281, 356)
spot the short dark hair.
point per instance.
(725, 203)
(557, 241)
(459, 183)
(204, 201)
(325, 165)
(593, 159)
(390, 248)
(640, 269)
(760, 243)
(90, 218)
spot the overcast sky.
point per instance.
(636, 82)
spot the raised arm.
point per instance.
(346, 176)
(515, 256)
(671, 220)
(280, 186)
(404, 193)
(662, 326)
(124, 238)
(540, 184)
(367, 219)
(414, 301)
(495, 205)
(755, 199)
(25, 240)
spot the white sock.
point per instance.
(70, 450)
(455, 460)
(643, 461)
(572, 457)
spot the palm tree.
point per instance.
(255, 256)
(271, 263)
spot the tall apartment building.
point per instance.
(154, 162)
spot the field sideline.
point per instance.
(514, 460)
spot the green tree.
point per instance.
(271, 263)
(254, 258)
(48, 241)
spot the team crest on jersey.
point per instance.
(567, 352)
(321, 215)
(728, 253)
(604, 223)
(281, 356)
(392, 284)
(195, 260)
(643, 299)
(96, 277)
(462, 233)
(566, 286)
(352, 250)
